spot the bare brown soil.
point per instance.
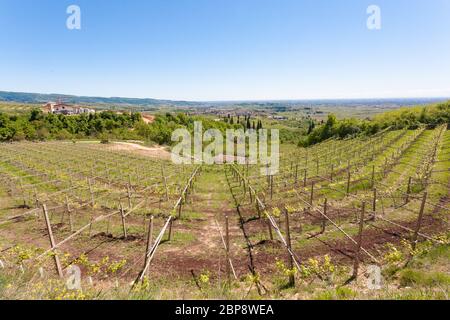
(158, 152)
(147, 118)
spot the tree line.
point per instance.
(403, 118)
(247, 123)
(36, 125)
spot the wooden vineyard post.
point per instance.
(385, 166)
(92, 193)
(305, 177)
(108, 180)
(23, 193)
(138, 178)
(69, 214)
(130, 205)
(91, 222)
(359, 242)
(419, 221)
(187, 196)
(348, 181)
(296, 174)
(52, 241)
(311, 198)
(324, 220)
(165, 182)
(169, 237)
(36, 199)
(317, 166)
(124, 226)
(149, 241)
(373, 177)
(72, 189)
(10, 188)
(108, 223)
(227, 242)
(144, 216)
(374, 204)
(180, 208)
(290, 259)
(408, 190)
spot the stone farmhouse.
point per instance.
(65, 109)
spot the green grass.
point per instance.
(192, 216)
(182, 238)
(409, 277)
(16, 108)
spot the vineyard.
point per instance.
(142, 227)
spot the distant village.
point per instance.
(65, 109)
(237, 111)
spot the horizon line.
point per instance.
(237, 100)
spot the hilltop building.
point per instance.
(65, 109)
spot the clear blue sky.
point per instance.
(226, 49)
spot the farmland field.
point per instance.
(141, 227)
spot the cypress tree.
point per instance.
(260, 126)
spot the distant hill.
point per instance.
(147, 104)
(39, 98)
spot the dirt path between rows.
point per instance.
(212, 202)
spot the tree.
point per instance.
(35, 115)
(328, 129)
(260, 125)
(311, 126)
